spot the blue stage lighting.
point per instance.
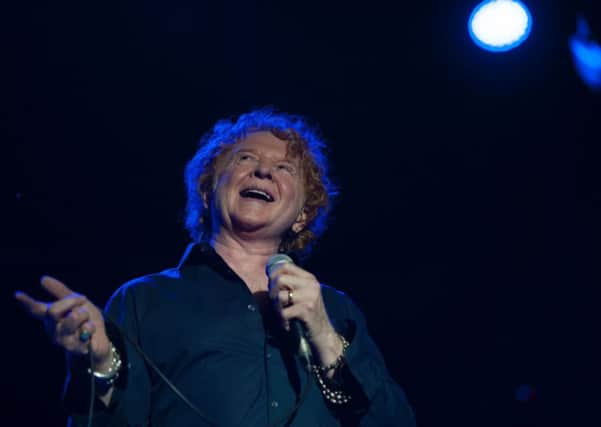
(586, 53)
(500, 25)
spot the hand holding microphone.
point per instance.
(298, 298)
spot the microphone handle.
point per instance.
(304, 348)
(297, 328)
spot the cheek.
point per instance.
(222, 190)
(226, 180)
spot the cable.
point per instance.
(177, 392)
(155, 368)
(92, 386)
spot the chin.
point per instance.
(247, 225)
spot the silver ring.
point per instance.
(290, 295)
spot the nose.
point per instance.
(263, 170)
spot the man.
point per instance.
(218, 326)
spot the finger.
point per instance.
(276, 287)
(73, 344)
(281, 299)
(34, 307)
(89, 326)
(297, 309)
(279, 281)
(294, 311)
(61, 308)
(55, 287)
(285, 298)
(288, 297)
(86, 331)
(75, 319)
(294, 283)
(295, 270)
(76, 340)
(289, 313)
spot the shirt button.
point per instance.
(274, 404)
(268, 355)
(251, 307)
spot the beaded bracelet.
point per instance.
(336, 397)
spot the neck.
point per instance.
(246, 257)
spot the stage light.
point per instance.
(586, 54)
(500, 25)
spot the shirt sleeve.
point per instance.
(377, 400)
(130, 401)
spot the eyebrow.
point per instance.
(287, 159)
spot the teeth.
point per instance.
(262, 193)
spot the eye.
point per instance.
(287, 167)
(244, 157)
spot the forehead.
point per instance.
(265, 143)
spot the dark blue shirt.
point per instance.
(223, 350)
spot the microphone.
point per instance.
(296, 326)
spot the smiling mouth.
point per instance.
(254, 193)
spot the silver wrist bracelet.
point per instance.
(339, 360)
(108, 378)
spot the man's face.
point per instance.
(259, 189)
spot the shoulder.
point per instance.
(333, 295)
(339, 305)
(142, 286)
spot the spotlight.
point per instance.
(500, 25)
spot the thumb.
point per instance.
(35, 308)
(55, 287)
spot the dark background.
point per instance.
(467, 227)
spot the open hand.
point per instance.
(72, 321)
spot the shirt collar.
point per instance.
(193, 255)
(202, 253)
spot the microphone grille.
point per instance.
(276, 260)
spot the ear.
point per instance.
(205, 199)
(301, 222)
